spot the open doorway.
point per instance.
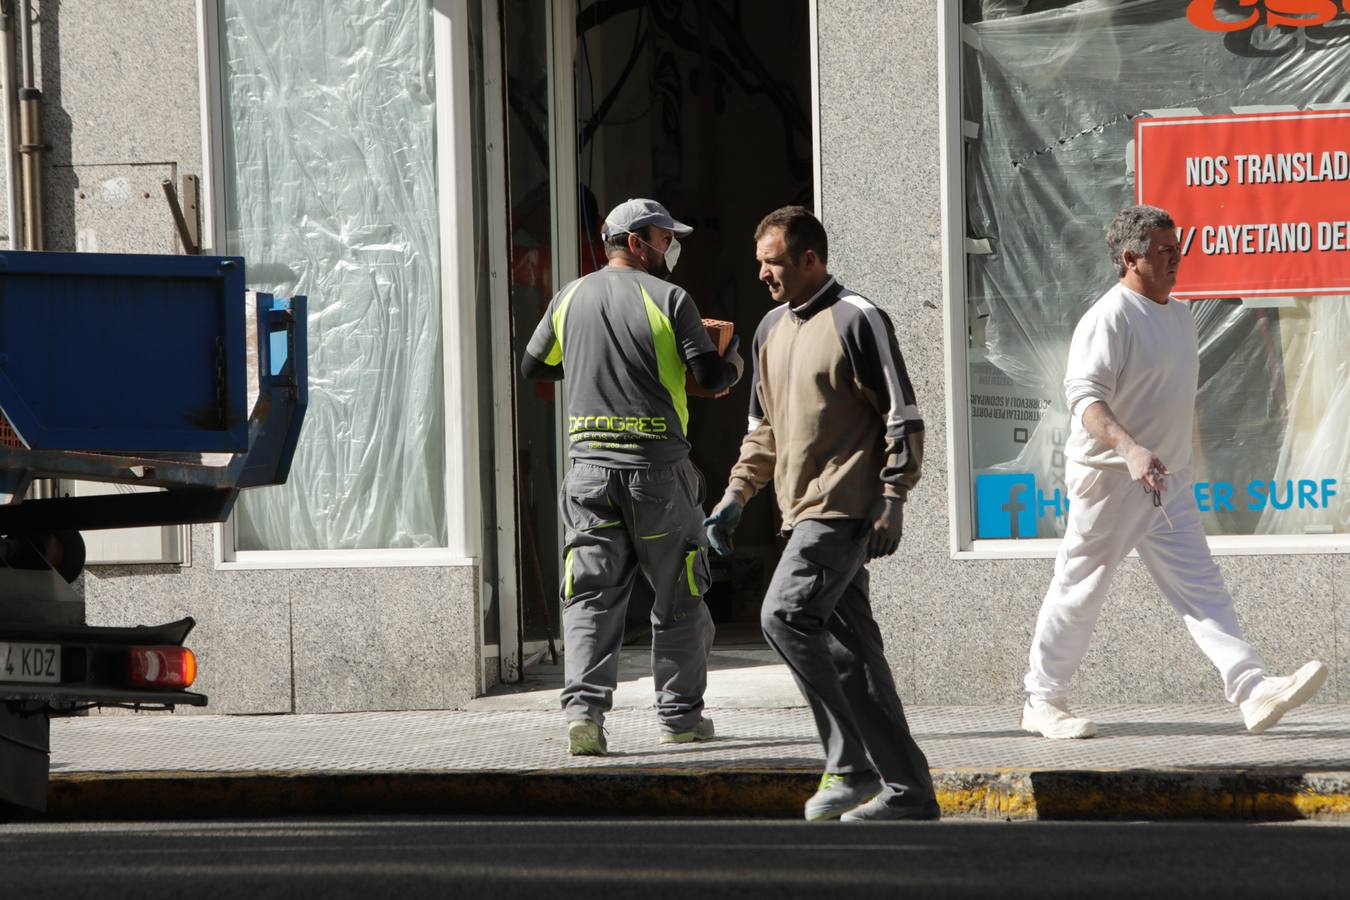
(704, 106)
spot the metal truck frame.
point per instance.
(129, 369)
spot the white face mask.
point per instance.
(671, 254)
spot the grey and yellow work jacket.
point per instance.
(833, 420)
(624, 338)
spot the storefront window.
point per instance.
(330, 187)
(1053, 97)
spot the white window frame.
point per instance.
(963, 545)
(463, 502)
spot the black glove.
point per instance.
(733, 357)
(726, 515)
(888, 524)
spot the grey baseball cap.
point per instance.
(634, 214)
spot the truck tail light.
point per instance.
(166, 666)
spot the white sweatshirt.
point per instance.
(1142, 358)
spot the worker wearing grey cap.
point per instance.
(623, 337)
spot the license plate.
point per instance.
(40, 663)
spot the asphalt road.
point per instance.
(541, 858)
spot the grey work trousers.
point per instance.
(818, 618)
(619, 521)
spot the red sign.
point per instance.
(1293, 13)
(1261, 200)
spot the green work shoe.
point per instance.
(839, 792)
(586, 738)
(703, 731)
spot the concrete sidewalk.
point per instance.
(1149, 763)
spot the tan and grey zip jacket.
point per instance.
(833, 419)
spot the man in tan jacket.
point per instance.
(833, 424)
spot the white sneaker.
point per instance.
(703, 731)
(1053, 720)
(839, 792)
(1274, 697)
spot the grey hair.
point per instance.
(1131, 230)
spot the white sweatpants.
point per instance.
(1110, 515)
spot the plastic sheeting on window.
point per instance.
(1055, 94)
(331, 187)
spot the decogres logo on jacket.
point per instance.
(1294, 13)
(1011, 505)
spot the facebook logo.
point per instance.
(1006, 505)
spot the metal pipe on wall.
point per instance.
(26, 32)
(30, 136)
(30, 173)
(9, 118)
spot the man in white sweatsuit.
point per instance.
(1131, 382)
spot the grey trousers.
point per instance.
(617, 522)
(818, 618)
